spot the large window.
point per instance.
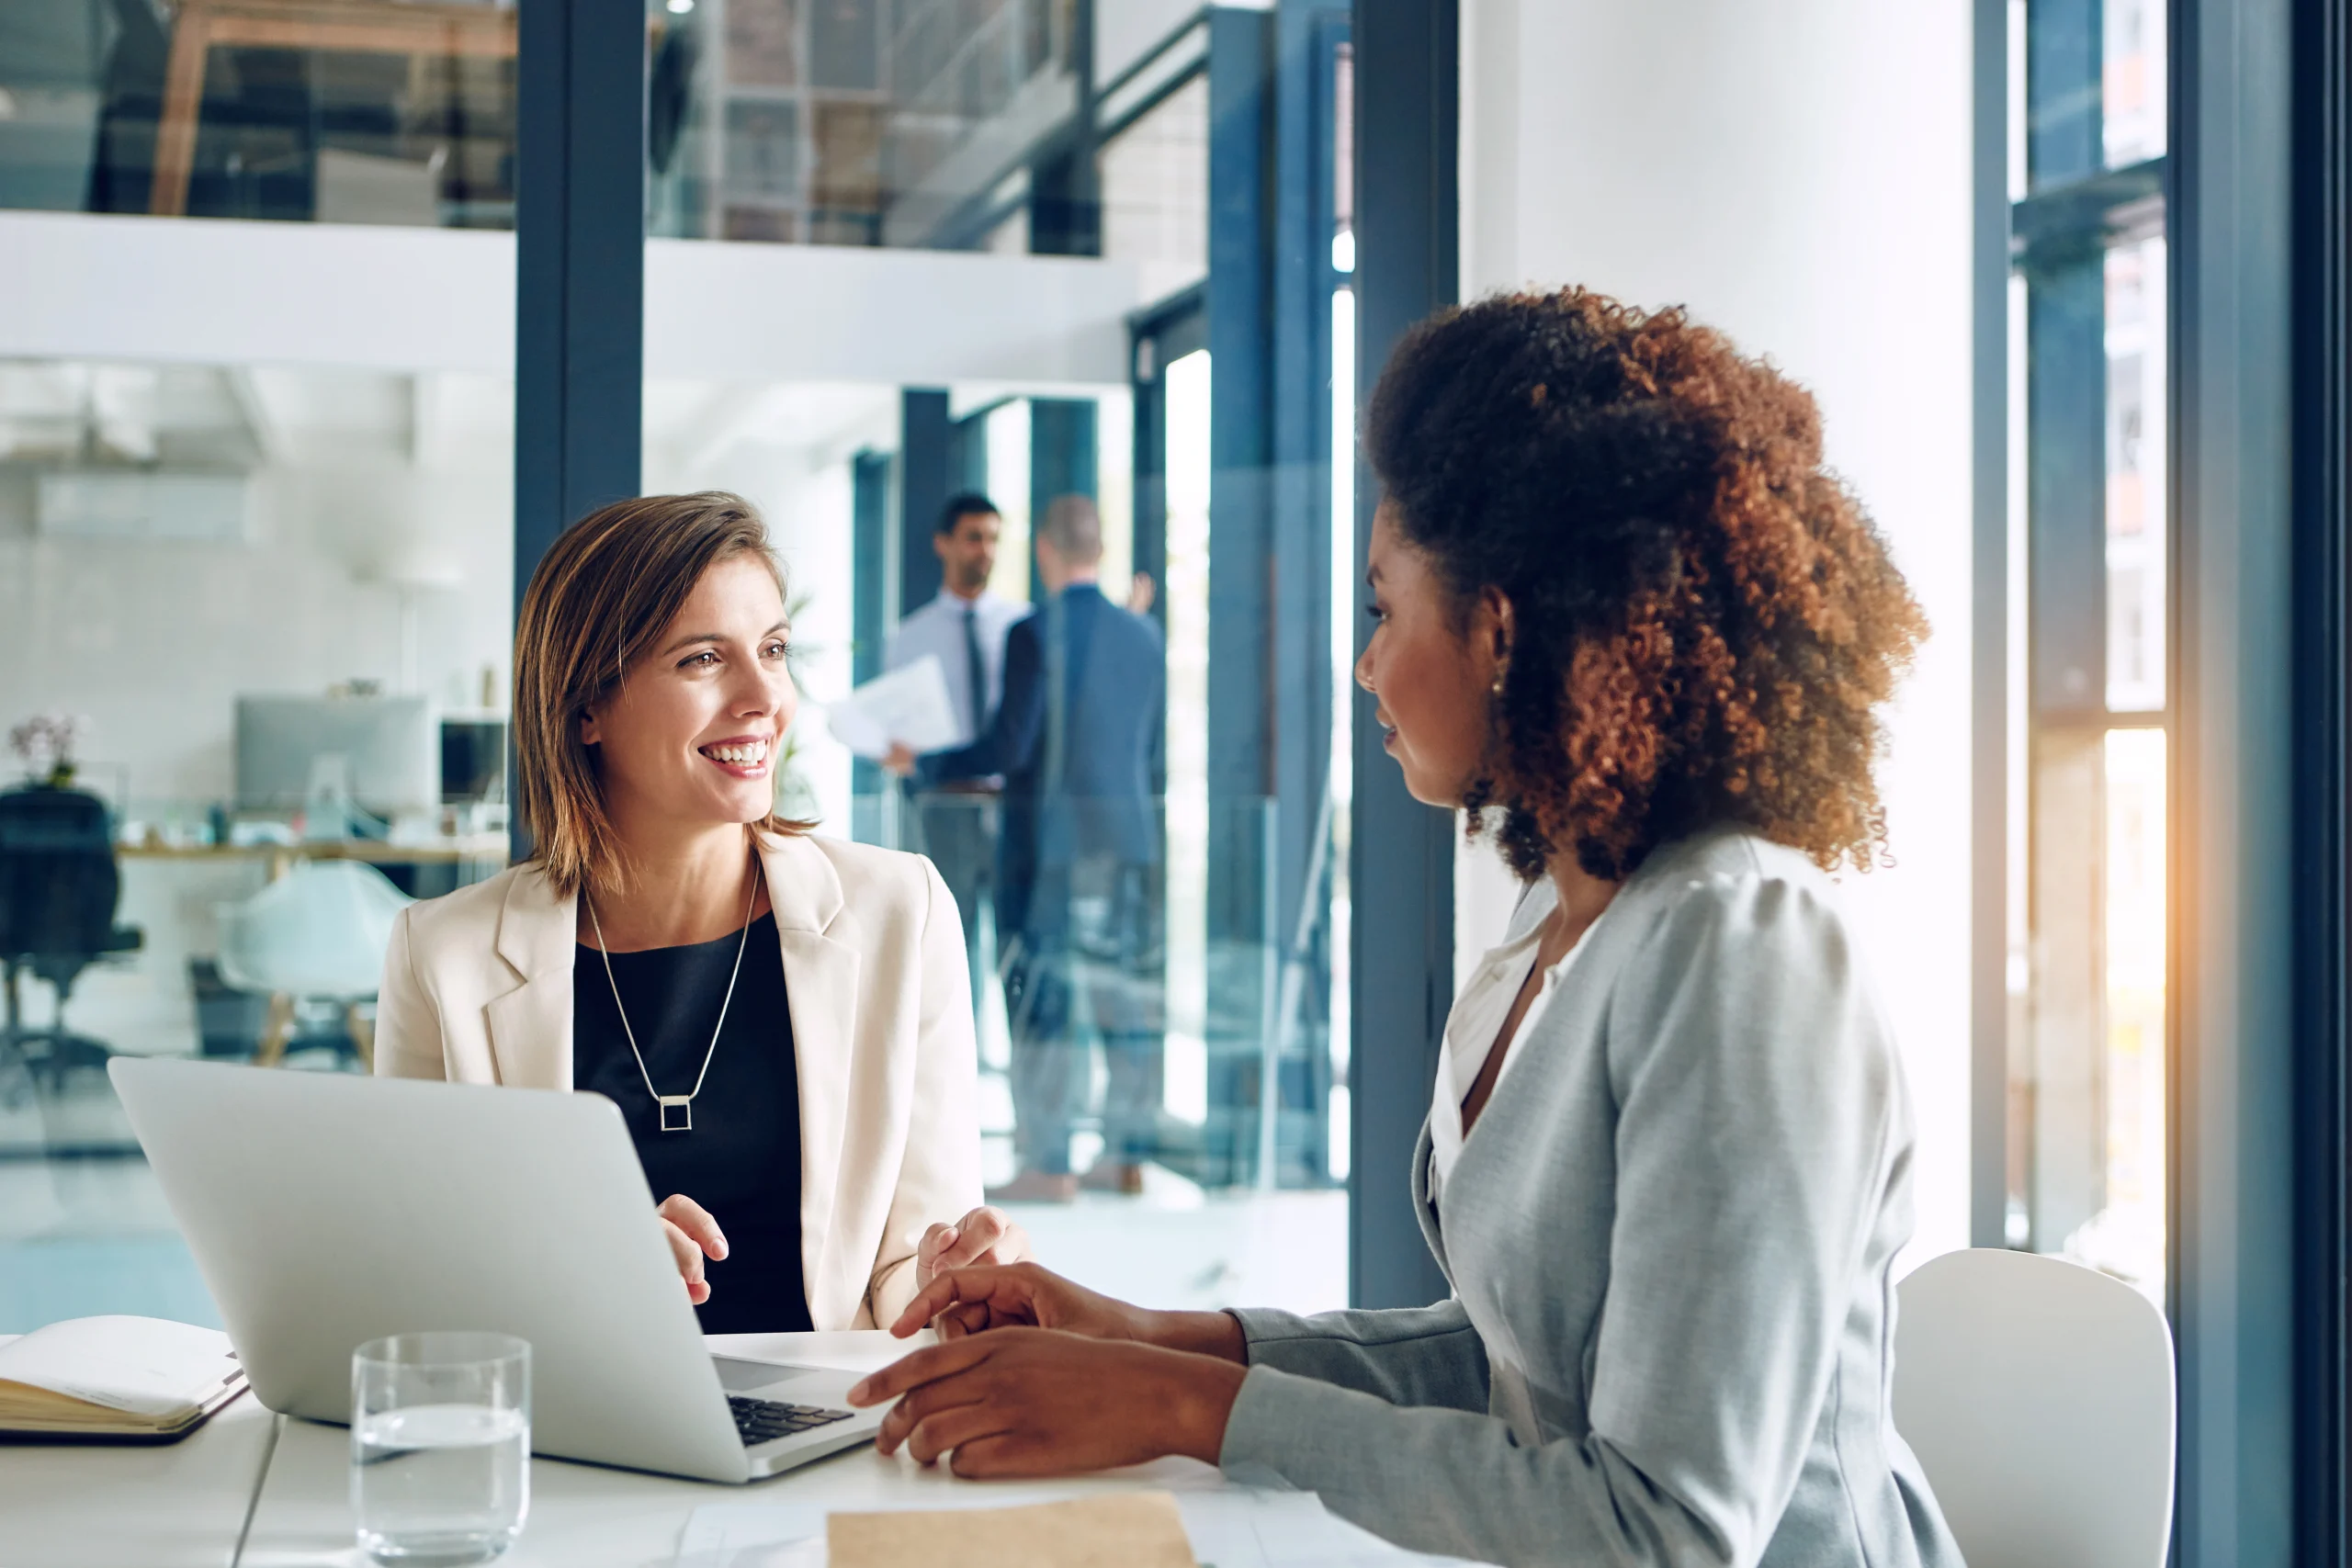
(2089, 701)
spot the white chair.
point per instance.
(2039, 1397)
(316, 934)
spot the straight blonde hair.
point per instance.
(598, 600)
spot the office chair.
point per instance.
(58, 890)
(2039, 1396)
(315, 936)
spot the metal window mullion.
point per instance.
(2323, 803)
(1400, 852)
(2233, 1022)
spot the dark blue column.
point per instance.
(579, 268)
(2321, 137)
(1401, 855)
(967, 454)
(1062, 456)
(579, 264)
(924, 438)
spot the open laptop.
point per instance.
(325, 1210)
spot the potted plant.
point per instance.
(47, 742)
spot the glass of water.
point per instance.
(440, 1447)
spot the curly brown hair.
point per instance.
(1706, 621)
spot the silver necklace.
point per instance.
(684, 1104)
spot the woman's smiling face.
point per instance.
(1431, 668)
(691, 735)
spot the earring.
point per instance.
(1499, 676)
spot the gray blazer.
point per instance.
(1677, 1220)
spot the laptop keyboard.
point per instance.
(760, 1421)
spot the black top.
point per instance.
(741, 1161)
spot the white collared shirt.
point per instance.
(938, 630)
(1470, 1030)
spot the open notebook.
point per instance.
(119, 1379)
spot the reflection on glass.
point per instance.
(1345, 623)
(2135, 476)
(2127, 1237)
(1155, 179)
(764, 162)
(858, 122)
(355, 111)
(1188, 735)
(2132, 80)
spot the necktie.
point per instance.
(976, 688)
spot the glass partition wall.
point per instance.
(257, 521)
(1029, 320)
(254, 644)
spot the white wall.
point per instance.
(1798, 175)
(153, 639)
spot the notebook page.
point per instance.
(144, 1366)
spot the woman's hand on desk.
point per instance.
(1032, 1402)
(963, 1302)
(984, 1235)
(692, 1235)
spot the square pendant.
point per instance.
(684, 1104)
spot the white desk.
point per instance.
(179, 1506)
(589, 1516)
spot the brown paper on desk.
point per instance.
(1125, 1529)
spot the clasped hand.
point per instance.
(984, 1235)
(1037, 1376)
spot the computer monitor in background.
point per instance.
(389, 745)
(473, 761)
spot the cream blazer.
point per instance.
(477, 989)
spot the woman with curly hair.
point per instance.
(1624, 613)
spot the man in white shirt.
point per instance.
(964, 627)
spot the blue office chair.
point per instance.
(58, 891)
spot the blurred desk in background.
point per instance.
(422, 868)
(466, 848)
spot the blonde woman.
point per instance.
(785, 1021)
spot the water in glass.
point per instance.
(440, 1448)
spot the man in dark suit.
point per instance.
(1077, 739)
